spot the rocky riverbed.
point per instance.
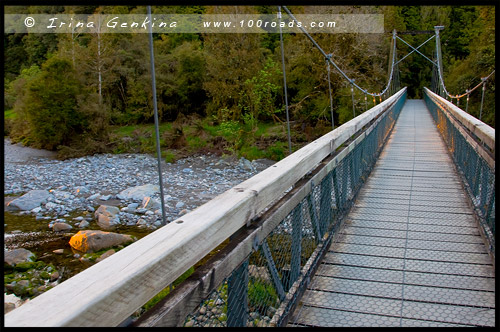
(47, 201)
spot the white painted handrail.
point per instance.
(107, 293)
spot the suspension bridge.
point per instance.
(387, 220)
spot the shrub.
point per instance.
(51, 104)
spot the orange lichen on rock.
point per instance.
(93, 240)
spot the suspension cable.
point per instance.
(353, 109)
(482, 99)
(330, 90)
(483, 81)
(416, 50)
(157, 130)
(351, 81)
(284, 81)
(440, 74)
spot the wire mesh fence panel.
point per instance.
(477, 173)
(263, 289)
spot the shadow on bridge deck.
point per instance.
(410, 253)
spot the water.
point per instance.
(24, 231)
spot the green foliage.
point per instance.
(258, 99)
(277, 151)
(8, 114)
(229, 129)
(51, 104)
(15, 56)
(180, 80)
(231, 59)
(161, 295)
(251, 152)
(455, 37)
(25, 266)
(195, 143)
(38, 46)
(261, 296)
(233, 81)
(478, 60)
(170, 156)
(14, 90)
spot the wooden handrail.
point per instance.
(483, 131)
(107, 293)
(463, 120)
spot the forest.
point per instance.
(86, 93)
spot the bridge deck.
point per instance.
(410, 253)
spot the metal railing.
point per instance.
(275, 257)
(275, 227)
(472, 146)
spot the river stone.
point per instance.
(245, 164)
(107, 216)
(258, 273)
(59, 194)
(94, 240)
(17, 256)
(54, 276)
(138, 193)
(11, 301)
(150, 203)
(61, 227)
(8, 307)
(83, 224)
(30, 200)
(105, 255)
(94, 196)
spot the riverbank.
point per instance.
(76, 188)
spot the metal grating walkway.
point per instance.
(410, 253)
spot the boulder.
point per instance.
(93, 240)
(107, 216)
(30, 200)
(139, 192)
(17, 256)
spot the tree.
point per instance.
(15, 97)
(466, 73)
(258, 99)
(231, 59)
(51, 104)
(180, 76)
